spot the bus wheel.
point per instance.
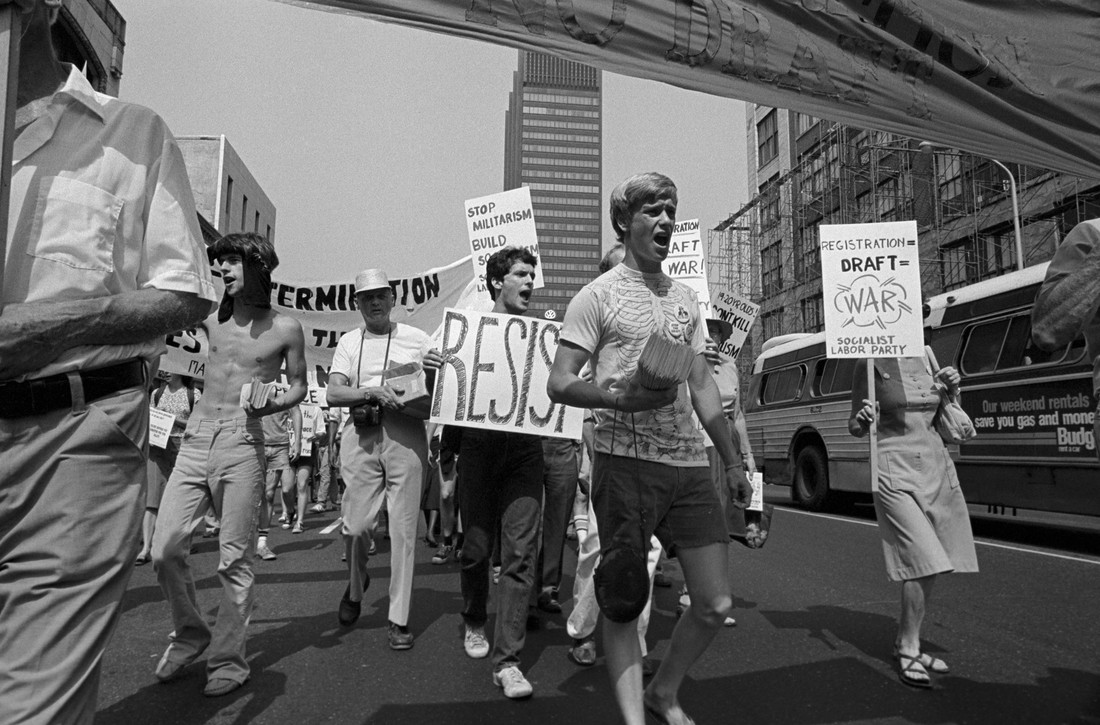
(811, 478)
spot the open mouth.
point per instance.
(662, 240)
(525, 295)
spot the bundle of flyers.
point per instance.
(663, 363)
(256, 392)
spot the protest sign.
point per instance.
(737, 311)
(501, 220)
(494, 375)
(186, 352)
(686, 261)
(870, 275)
(160, 426)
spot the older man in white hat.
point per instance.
(384, 448)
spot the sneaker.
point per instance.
(516, 686)
(265, 553)
(373, 549)
(284, 519)
(297, 528)
(400, 637)
(583, 651)
(496, 575)
(320, 508)
(442, 554)
(474, 642)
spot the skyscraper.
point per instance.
(553, 145)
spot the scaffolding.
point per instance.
(769, 250)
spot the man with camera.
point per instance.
(384, 446)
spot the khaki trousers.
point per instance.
(384, 462)
(72, 492)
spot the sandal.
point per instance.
(930, 663)
(910, 670)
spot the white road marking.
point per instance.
(333, 526)
(976, 541)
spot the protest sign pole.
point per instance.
(10, 24)
(873, 428)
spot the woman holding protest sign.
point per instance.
(922, 516)
(177, 397)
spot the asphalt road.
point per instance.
(816, 619)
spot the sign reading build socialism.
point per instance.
(870, 277)
(494, 375)
(497, 221)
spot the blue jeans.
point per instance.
(500, 485)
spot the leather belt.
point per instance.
(44, 395)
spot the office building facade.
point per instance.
(553, 131)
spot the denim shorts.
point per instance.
(678, 504)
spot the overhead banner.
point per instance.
(1012, 80)
(740, 313)
(870, 274)
(494, 374)
(501, 220)
(687, 260)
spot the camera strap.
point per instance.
(362, 343)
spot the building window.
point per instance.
(772, 269)
(769, 203)
(807, 255)
(269, 234)
(803, 122)
(244, 211)
(772, 323)
(228, 198)
(767, 137)
(813, 314)
(256, 224)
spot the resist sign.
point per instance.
(870, 276)
(494, 375)
(501, 220)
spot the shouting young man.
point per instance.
(221, 462)
(649, 455)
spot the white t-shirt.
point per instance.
(406, 344)
(612, 317)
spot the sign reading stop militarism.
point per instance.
(497, 221)
(494, 374)
(870, 277)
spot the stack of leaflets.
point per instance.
(410, 385)
(256, 392)
(663, 363)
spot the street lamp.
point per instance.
(928, 147)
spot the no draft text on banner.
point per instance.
(870, 275)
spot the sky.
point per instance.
(368, 137)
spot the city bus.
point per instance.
(1033, 410)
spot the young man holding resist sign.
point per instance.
(646, 443)
(500, 484)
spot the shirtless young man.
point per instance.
(221, 462)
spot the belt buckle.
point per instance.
(35, 391)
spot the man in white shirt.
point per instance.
(383, 449)
(104, 257)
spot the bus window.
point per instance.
(835, 376)
(782, 385)
(1020, 351)
(983, 347)
(945, 343)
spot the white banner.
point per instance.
(740, 313)
(1012, 79)
(870, 274)
(326, 310)
(494, 375)
(501, 220)
(687, 261)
